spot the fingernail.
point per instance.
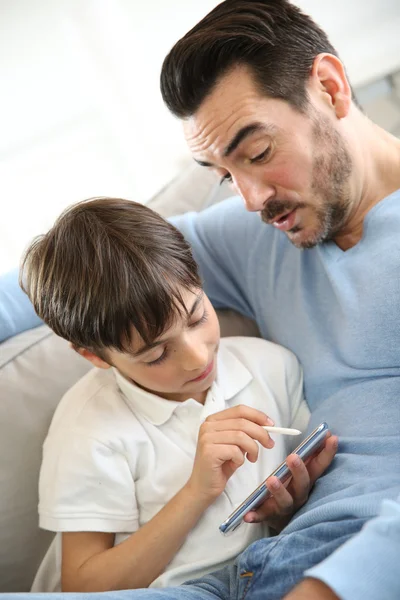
(271, 443)
(270, 422)
(296, 461)
(275, 484)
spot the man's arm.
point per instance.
(223, 238)
(365, 568)
(16, 311)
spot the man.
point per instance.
(265, 102)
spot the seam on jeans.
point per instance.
(249, 575)
(254, 575)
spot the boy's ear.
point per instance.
(92, 358)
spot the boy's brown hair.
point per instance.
(108, 265)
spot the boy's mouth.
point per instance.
(205, 373)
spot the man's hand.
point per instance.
(289, 497)
(311, 589)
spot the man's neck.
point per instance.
(377, 162)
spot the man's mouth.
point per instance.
(284, 222)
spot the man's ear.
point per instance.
(328, 76)
(92, 358)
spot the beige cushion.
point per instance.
(36, 369)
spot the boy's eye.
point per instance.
(158, 360)
(200, 321)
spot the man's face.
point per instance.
(293, 168)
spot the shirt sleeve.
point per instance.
(86, 486)
(300, 413)
(16, 310)
(367, 566)
(221, 238)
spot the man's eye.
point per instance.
(261, 157)
(226, 179)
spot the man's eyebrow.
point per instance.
(238, 138)
(242, 134)
(148, 347)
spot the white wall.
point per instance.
(80, 109)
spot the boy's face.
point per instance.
(181, 363)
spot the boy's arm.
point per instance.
(90, 561)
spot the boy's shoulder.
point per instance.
(94, 405)
(257, 353)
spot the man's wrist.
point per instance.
(311, 589)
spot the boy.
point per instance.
(141, 463)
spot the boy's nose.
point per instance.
(195, 358)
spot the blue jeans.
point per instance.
(266, 570)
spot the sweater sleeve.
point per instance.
(366, 567)
(221, 237)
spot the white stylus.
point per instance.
(283, 430)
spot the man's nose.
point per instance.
(255, 193)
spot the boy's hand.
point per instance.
(287, 498)
(225, 439)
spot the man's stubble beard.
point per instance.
(331, 171)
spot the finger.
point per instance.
(227, 452)
(280, 502)
(242, 411)
(256, 432)
(300, 483)
(283, 499)
(266, 510)
(321, 462)
(210, 442)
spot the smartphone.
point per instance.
(305, 450)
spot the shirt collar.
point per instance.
(232, 378)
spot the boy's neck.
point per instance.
(175, 397)
(200, 397)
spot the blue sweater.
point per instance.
(339, 313)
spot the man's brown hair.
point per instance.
(108, 265)
(273, 38)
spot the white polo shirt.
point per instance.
(116, 454)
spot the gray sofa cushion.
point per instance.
(36, 369)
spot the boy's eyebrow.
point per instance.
(148, 347)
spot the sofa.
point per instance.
(36, 369)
